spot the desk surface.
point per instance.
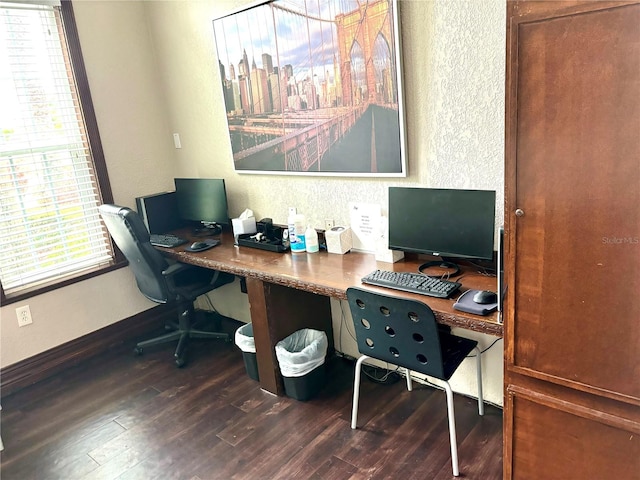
(331, 274)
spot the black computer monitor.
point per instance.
(159, 212)
(202, 201)
(448, 223)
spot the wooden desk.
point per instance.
(288, 292)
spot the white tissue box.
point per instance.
(339, 240)
(243, 225)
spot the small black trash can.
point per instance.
(301, 358)
(246, 343)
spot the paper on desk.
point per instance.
(365, 225)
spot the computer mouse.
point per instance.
(485, 296)
(199, 245)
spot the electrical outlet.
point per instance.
(24, 316)
(328, 224)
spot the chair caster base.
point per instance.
(138, 351)
(180, 362)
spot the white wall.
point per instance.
(153, 71)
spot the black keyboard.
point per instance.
(412, 282)
(166, 240)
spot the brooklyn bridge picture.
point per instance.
(313, 87)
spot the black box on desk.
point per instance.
(273, 245)
(307, 386)
(251, 365)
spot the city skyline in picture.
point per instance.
(312, 87)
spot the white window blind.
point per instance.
(49, 196)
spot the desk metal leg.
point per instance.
(276, 312)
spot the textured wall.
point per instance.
(467, 141)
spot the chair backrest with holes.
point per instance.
(397, 330)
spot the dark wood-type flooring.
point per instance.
(119, 416)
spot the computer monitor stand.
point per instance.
(208, 228)
(449, 269)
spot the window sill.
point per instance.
(40, 289)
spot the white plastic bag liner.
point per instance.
(244, 338)
(301, 352)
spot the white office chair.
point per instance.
(404, 332)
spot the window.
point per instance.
(52, 170)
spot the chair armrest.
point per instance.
(175, 268)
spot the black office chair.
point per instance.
(161, 282)
(405, 333)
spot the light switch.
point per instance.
(176, 140)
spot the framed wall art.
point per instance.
(313, 87)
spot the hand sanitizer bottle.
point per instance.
(291, 227)
(299, 245)
(311, 240)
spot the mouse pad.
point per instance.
(465, 303)
(210, 244)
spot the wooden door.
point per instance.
(572, 193)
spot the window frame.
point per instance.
(70, 31)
